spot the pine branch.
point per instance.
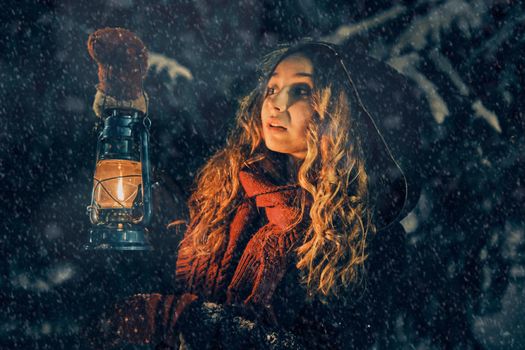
(346, 31)
(159, 62)
(407, 65)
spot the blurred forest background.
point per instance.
(465, 239)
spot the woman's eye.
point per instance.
(270, 91)
(302, 90)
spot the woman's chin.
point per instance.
(275, 147)
(284, 149)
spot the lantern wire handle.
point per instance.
(147, 123)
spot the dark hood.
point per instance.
(391, 116)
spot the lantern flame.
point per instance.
(120, 190)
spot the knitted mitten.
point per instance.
(122, 62)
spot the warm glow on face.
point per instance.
(287, 108)
(117, 183)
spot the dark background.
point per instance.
(465, 237)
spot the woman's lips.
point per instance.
(276, 127)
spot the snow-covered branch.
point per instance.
(159, 62)
(346, 31)
(489, 116)
(445, 66)
(491, 45)
(430, 27)
(407, 65)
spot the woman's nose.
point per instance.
(280, 100)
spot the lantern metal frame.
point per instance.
(125, 136)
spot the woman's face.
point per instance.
(287, 107)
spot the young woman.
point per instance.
(280, 219)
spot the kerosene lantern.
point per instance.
(120, 208)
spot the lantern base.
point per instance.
(117, 239)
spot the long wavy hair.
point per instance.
(332, 175)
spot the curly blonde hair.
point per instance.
(333, 174)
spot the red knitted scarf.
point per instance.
(257, 252)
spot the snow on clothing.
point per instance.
(248, 294)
